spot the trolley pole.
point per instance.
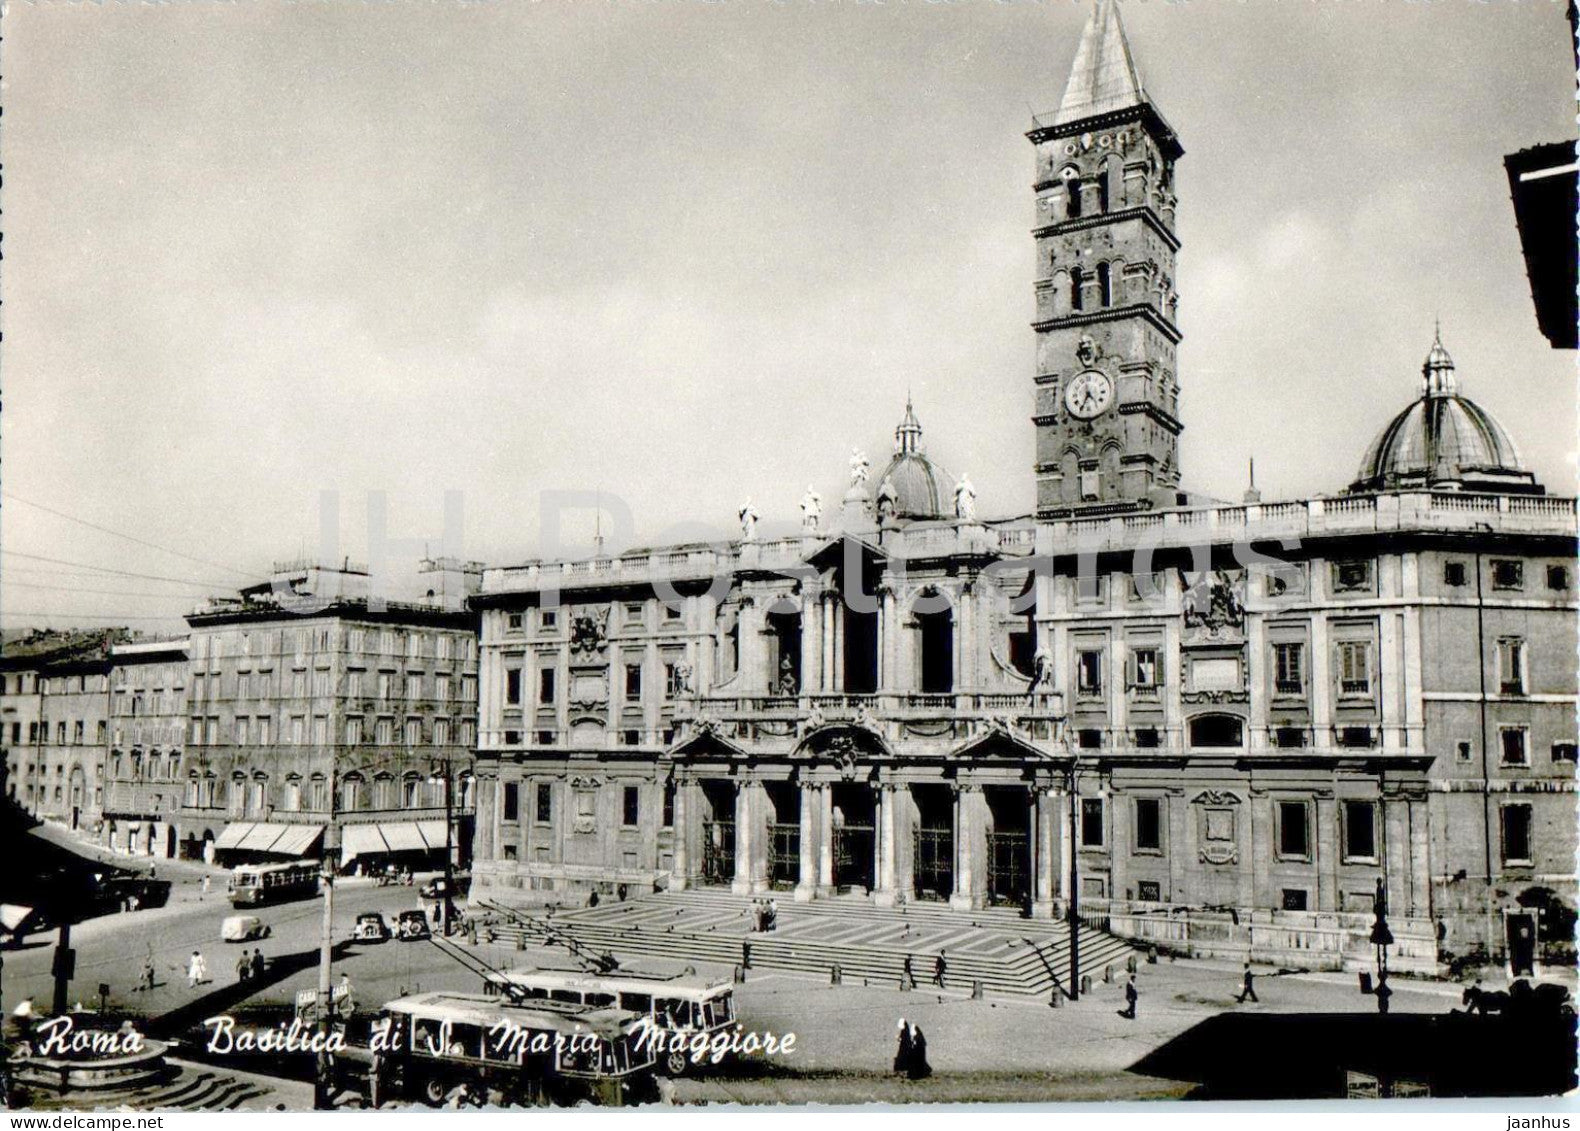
(449, 851)
(323, 1081)
(1073, 904)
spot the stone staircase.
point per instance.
(190, 1088)
(1006, 953)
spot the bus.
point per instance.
(255, 884)
(683, 1004)
(551, 1053)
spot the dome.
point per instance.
(1443, 440)
(911, 483)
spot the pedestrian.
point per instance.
(919, 1068)
(907, 975)
(195, 970)
(348, 1004)
(147, 982)
(205, 883)
(1131, 994)
(939, 968)
(903, 1050)
(592, 900)
(1249, 987)
(257, 964)
(244, 966)
(746, 955)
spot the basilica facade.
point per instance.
(1223, 728)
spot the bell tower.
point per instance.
(1107, 389)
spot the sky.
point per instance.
(683, 252)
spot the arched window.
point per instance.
(238, 794)
(1217, 731)
(1104, 285)
(258, 794)
(1077, 282)
(1072, 189)
(384, 792)
(292, 802)
(351, 793)
(411, 791)
(318, 793)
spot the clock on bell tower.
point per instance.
(1107, 390)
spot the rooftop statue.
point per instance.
(860, 465)
(811, 509)
(965, 498)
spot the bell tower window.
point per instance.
(1077, 281)
(1104, 286)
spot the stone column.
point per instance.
(754, 677)
(826, 625)
(806, 881)
(1420, 857)
(888, 638)
(970, 881)
(904, 846)
(482, 825)
(839, 645)
(1045, 851)
(681, 877)
(760, 841)
(965, 639)
(825, 839)
(811, 647)
(884, 864)
(742, 883)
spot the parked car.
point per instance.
(434, 888)
(243, 928)
(131, 893)
(371, 927)
(412, 925)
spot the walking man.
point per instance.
(244, 966)
(907, 975)
(1131, 995)
(256, 973)
(1249, 987)
(939, 967)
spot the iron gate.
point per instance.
(1008, 870)
(718, 852)
(934, 862)
(853, 847)
(784, 855)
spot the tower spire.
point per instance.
(1104, 76)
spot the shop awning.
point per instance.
(433, 833)
(402, 836)
(233, 835)
(261, 838)
(360, 840)
(297, 840)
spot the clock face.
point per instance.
(1089, 394)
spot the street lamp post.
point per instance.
(1382, 939)
(323, 1083)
